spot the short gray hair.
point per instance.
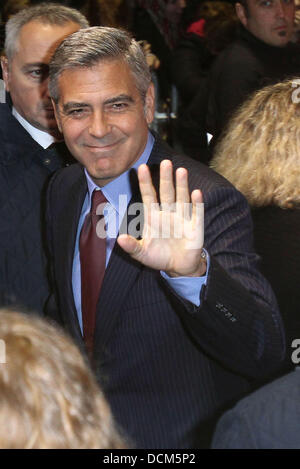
(87, 47)
(48, 13)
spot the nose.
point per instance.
(45, 87)
(281, 9)
(99, 125)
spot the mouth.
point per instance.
(98, 149)
(281, 28)
(101, 148)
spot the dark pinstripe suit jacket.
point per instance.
(167, 367)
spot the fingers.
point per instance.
(167, 192)
(198, 218)
(166, 185)
(182, 187)
(147, 189)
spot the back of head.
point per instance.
(48, 396)
(48, 13)
(87, 47)
(260, 149)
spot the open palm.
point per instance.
(173, 231)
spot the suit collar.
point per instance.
(16, 141)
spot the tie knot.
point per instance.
(98, 198)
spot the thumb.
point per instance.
(131, 245)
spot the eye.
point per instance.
(38, 74)
(117, 107)
(75, 112)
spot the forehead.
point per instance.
(105, 80)
(37, 41)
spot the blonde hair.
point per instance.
(260, 150)
(48, 396)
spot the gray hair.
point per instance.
(48, 13)
(86, 48)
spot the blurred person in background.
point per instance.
(158, 22)
(211, 27)
(262, 54)
(260, 155)
(49, 398)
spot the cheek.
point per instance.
(71, 131)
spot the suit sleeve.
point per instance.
(238, 322)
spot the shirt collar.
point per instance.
(42, 138)
(120, 185)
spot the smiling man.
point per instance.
(27, 129)
(262, 54)
(174, 327)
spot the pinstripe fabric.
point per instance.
(167, 367)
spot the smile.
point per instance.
(96, 148)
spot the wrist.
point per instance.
(200, 271)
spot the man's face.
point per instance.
(26, 75)
(271, 21)
(103, 118)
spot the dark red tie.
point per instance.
(92, 262)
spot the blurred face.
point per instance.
(26, 75)
(103, 118)
(174, 9)
(271, 21)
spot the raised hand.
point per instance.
(173, 232)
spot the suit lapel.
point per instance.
(69, 224)
(121, 273)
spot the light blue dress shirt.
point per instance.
(118, 194)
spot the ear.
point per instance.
(57, 116)
(241, 14)
(5, 71)
(150, 104)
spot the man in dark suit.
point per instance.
(27, 129)
(179, 327)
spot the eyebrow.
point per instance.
(121, 97)
(115, 99)
(74, 105)
(35, 64)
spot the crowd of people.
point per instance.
(173, 269)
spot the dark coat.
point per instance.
(25, 167)
(191, 62)
(245, 66)
(166, 366)
(268, 419)
(276, 240)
